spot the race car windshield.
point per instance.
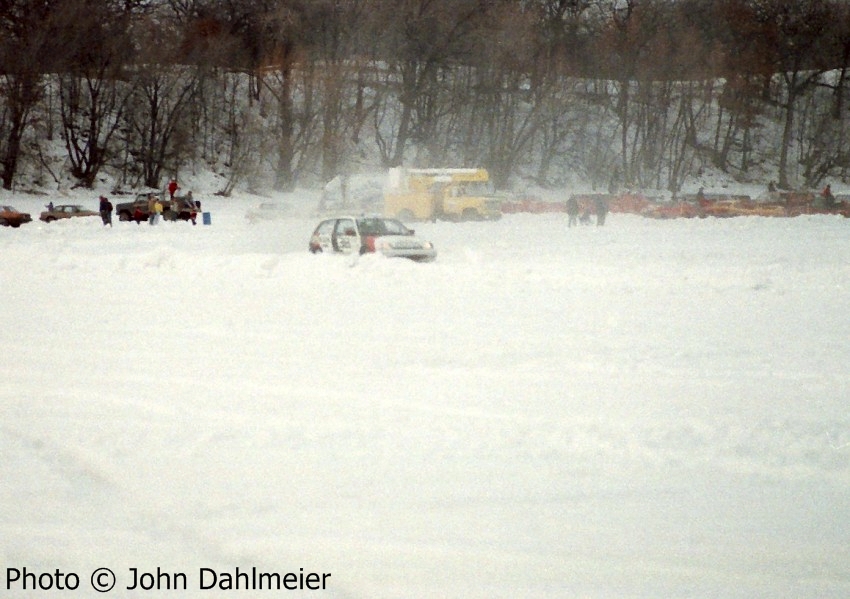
(381, 226)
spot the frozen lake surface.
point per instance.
(646, 409)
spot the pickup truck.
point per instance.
(181, 208)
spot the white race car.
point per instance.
(366, 234)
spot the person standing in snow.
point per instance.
(105, 211)
(572, 211)
(826, 196)
(193, 207)
(172, 188)
(157, 209)
(601, 210)
(154, 209)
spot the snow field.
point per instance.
(639, 410)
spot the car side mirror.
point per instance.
(350, 233)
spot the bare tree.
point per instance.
(28, 49)
(157, 132)
(422, 40)
(621, 42)
(797, 30)
(92, 95)
(331, 61)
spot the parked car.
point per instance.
(137, 210)
(9, 217)
(181, 208)
(366, 234)
(66, 211)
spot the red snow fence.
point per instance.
(718, 205)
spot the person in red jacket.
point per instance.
(172, 188)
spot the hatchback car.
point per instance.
(65, 211)
(368, 234)
(9, 217)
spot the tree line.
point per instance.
(639, 93)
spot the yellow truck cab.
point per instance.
(444, 193)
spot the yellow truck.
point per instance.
(445, 193)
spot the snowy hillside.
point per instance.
(646, 409)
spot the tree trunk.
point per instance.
(284, 177)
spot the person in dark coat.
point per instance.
(572, 211)
(601, 210)
(105, 211)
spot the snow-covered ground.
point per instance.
(646, 409)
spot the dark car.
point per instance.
(368, 234)
(180, 208)
(9, 217)
(66, 211)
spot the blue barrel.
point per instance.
(207, 218)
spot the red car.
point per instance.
(9, 217)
